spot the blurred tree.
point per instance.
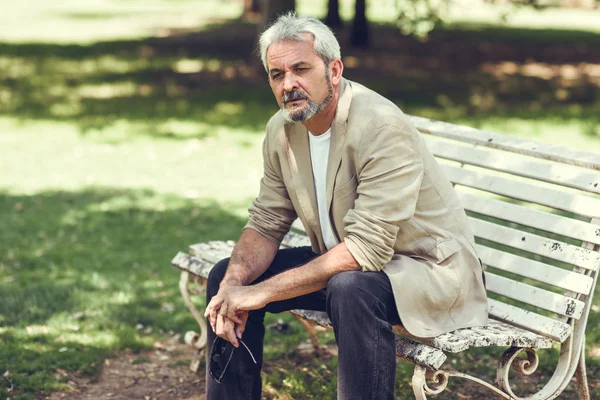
(419, 17)
(273, 8)
(251, 8)
(359, 36)
(333, 14)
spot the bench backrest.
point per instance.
(535, 211)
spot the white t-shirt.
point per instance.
(319, 155)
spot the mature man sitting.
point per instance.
(390, 241)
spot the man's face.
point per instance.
(299, 79)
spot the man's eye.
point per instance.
(301, 69)
(276, 76)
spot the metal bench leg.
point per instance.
(192, 339)
(420, 386)
(581, 377)
(310, 329)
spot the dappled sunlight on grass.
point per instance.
(107, 91)
(60, 157)
(106, 20)
(199, 78)
(102, 274)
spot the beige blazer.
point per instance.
(388, 201)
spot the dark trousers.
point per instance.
(361, 308)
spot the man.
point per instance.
(390, 241)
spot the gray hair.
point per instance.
(291, 27)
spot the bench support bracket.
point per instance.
(438, 380)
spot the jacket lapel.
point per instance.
(338, 138)
(298, 153)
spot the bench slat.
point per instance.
(213, 251)
(536, 270)
(531, 321)
(191, 264)
(558, 174)
(419, 353)
(508, 143)
(495, 333)
(553, 223)
(536, 244)
(577, 204)
(292, 239)
(534, 296)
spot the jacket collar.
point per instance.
(338, 138)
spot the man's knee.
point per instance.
(215, 276)
(344, 288)
(351, 287)
(344, 281)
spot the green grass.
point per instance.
(121, 145)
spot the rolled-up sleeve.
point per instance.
(271, 213)
(390, 170)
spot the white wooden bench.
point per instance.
(535, 211)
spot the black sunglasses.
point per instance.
(220, 357)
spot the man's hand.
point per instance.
(227, 311)
(242, 298)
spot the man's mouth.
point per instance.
(294, 103)
(293, 97)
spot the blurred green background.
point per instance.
(131, 129)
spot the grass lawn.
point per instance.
(129, 130)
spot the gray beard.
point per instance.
(311, 109)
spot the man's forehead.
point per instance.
(292, 51)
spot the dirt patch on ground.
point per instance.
(162, 373)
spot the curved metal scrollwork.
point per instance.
(438, 381)
(510, 359)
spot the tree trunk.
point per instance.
(251, 6)
(271, 9)
(360, 27)
(333, 14)
(251, 9)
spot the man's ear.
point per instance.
(336, 69)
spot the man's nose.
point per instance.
(289, 82)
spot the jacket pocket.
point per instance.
(346, 188)
(445, 249)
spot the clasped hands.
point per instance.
(228, 310)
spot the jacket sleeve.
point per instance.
(389, 172)
(271, 213)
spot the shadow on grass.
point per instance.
(87, 273)
(213, 78)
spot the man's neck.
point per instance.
(321, 122)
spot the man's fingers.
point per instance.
(240, 327)
(225, 328)
(235, 319)
(219, 327)
(229, 328)
(213, 318)
(229, 311)
(224, 308)
(212, 309)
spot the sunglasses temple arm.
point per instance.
(251, 355)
